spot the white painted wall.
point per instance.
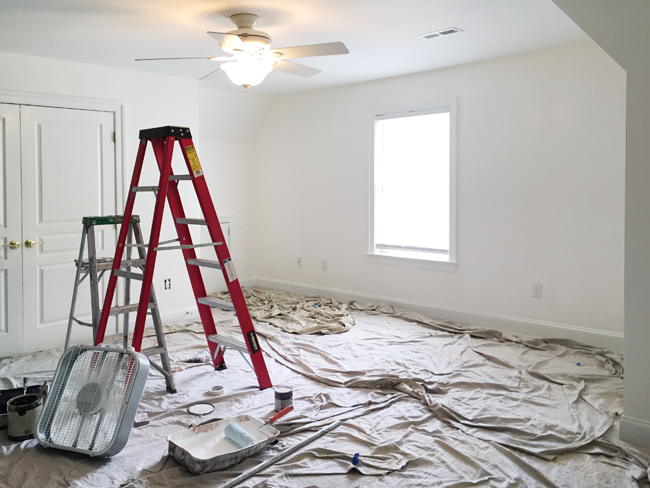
(149, 101)
(623, 30)
(231, 123)
(540, 194)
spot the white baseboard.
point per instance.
(635, 431)
(515, 325)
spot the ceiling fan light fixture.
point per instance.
(251, 57)
(247, 71)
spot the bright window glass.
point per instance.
(412, 184)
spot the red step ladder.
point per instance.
(162, 141)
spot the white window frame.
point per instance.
(416, 259)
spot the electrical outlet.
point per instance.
(299, 261)
(323, 264)
(168, 283)
(537, 290)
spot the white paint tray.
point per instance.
(205, 448)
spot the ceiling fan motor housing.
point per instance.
(254, 40)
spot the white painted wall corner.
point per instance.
(635, 431)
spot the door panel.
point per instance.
(52, 310)
(69, 167)
(68, 172)
(11, 333)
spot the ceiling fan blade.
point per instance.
(295, 69)
(228, 42)
(217, 73)
(326, 49)
(167, 59)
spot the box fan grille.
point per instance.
(93, 400)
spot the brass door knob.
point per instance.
(12, 245)
(30, 243)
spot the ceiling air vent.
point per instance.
(440, 33)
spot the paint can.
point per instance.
(283, 397)
(22, 412)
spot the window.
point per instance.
(413, 176)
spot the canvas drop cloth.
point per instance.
(424, 403)
(295, 313)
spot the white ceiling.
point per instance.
(380, 34)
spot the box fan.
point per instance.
(93, 400)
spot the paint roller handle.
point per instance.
(251, 472)
(281, 413)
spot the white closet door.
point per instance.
(11, 324)
(68, 172)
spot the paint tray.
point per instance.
(205, 448)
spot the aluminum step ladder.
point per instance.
(94, 268)
(162, 140)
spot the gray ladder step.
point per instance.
(180, 177)
(132, 262)
(188, 246)
(228, 342)
(104, 264)
(127, 262)
(213, 302)
(144, 188)
(129, 275)
(191, 221)
(152, 351)
(224, 343)
(101, 263)
(133, 307)
(206, 263)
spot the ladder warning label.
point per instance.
(194, 161)
(230, 269)
(252, 340)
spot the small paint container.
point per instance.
(22, 412)
(283, 397)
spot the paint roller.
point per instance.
(241, 438)
(237, 436)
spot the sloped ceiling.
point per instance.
(380, 34)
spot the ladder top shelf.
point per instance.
(168, 130)
(108, 220)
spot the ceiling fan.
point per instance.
(251, 57)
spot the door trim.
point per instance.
(63, 101)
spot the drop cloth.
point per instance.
(295, 313)
(424, 403)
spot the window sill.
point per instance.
(413, 261)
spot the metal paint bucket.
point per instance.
(22, 412)
(283, 397)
